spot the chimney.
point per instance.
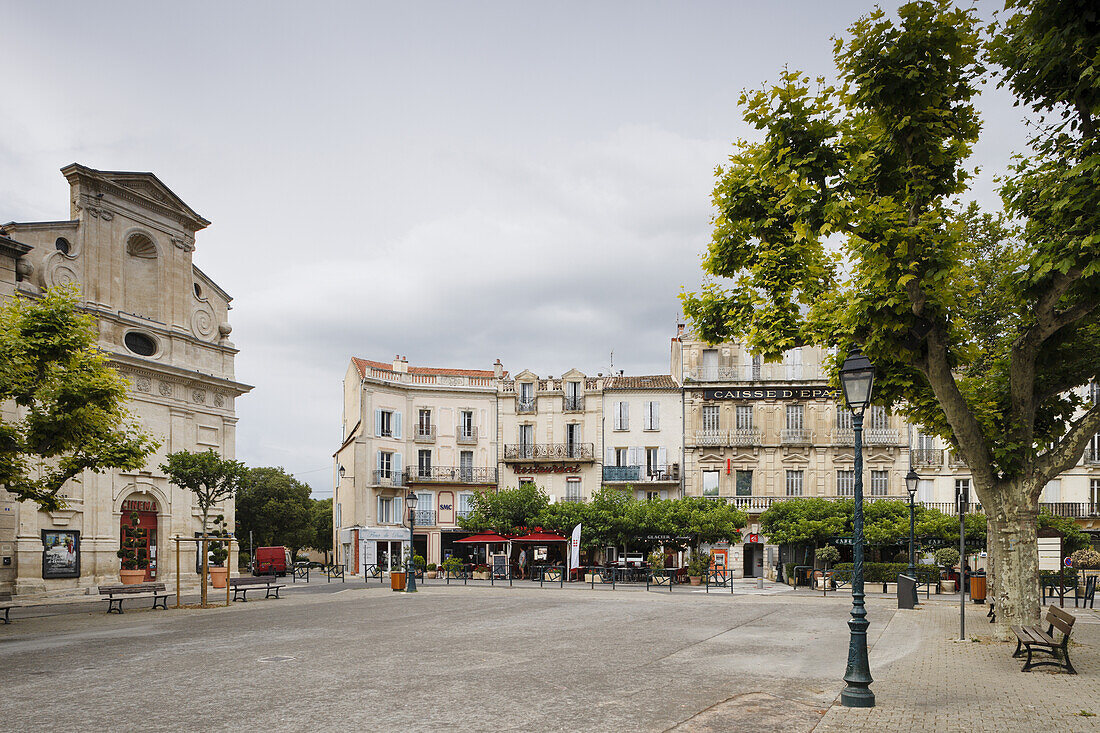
(400, 365)
(620, 372)
(498, 369)
(679, 330)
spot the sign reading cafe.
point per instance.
(773, 393)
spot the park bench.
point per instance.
(116, 594)
(241, 587)
(1033, 638)
(5, 605)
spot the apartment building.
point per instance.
(643, 435)
(425, 430)
(551, 433)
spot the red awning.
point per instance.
(484, 538)
(540, 537)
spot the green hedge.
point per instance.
(885, 572)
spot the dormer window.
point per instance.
(139, 245)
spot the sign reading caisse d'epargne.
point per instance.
(771, 393)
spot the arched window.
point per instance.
(139, 245)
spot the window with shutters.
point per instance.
(845, 483)
(652, 467)
(424, 422)
(843, 418)
(1094, 496)
(620, 457)
(424, 463)
(710, 417)
(622, 416)
(385, 426)
(794, 417)
(652, 419)
(877, 418)
(573, 489)
(385, 464)
(793, 362)
(466, 424)
(756, 369)
(710, 484)
(572, 438)
(527, 394)
(466, 465)
(1052, 492)
(744, 482)
(527, 441)
(880, 483)
(794, 483)
(744, 417)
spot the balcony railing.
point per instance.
(574, 499)
(525, 407)
(845, 436)
(796, 436)
(388, 478)
(711, 437)
(745, 436)
(463, 513)
(880, 436)
(450, 475)
(549, 452)
(466, 435)
(1075, 510)
(424, 434)
(641, 474)
(573, 404)
(927, 456)
(424, 517)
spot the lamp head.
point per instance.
(341, 472)
(857, 378)
(410, 500)
(912, 480)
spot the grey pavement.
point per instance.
(339, 656)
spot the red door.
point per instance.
(148, 522)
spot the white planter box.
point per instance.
(947, 586)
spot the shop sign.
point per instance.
(548, 468)
(753, 539)
(780, 393)
(134, 505)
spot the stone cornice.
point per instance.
(173, 208)
(187, 377)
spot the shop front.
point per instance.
(381, 548)
(146, 508)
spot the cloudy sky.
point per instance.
(454, 182)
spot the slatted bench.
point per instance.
(241, 586)
(116, 594)
(6, 605)
(1033, 638)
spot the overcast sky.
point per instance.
(456, 182)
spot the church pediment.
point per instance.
(144, 189)
(526, 376)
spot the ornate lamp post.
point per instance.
(857, 378)
(410, 566)
(912, 480)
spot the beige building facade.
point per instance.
(127, 244)
(643, 435)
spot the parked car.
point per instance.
(271, 561)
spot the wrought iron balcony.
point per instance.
(424, 517)
(641, 474)
(424, 434)
(622, 473)
(466, 435)
(388, 478)
(463, 513)
(927, 457)
(745, 436)
(574, 499)
(712, 437)
(880, 436)
(549, 452)
(450, 475)
(526, 407)
(845, 436)
(573, 404)
(796, 436)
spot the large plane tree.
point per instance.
(843, 222)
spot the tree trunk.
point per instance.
(1013, 558)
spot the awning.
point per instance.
(483, 539)
(540, 538)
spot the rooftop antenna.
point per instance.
(613, 361)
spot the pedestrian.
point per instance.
(523, 564)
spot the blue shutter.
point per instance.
(378, 424)
(396, 424)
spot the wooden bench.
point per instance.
(241, 586)
(6, 605)
(116, 594)
(1033, 638)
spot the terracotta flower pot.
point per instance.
(131, 577)
(695, 579)
(218, 576)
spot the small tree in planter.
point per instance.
(133, 553)
(947, 558)
(211, 479)
(827, 555)
(698, 566)
(657, 567)
(219, 552)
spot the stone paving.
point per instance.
(334, 657)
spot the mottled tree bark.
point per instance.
(1012, 517)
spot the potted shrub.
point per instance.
(219, 553)
(1086, 562)
(452, 567)
(397, 576)
(481, 572)
(698, 567)
(551, 575)
(827, 555)
(657, 568)
(947, 558)
(431, 571)
(133, 553)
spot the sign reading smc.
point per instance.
(771, 393)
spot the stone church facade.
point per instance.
(127, 244)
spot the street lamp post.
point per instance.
(857, 378)
(912, 480)
(410, 566)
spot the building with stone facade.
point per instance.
(164, 324)
(643, 435)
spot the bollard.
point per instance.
(760, 583)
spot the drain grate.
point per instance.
(276, 659)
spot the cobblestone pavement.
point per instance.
(948, 685)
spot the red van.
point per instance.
(271, 561)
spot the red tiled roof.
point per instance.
(363, 364)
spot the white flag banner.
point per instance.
(575, 548)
